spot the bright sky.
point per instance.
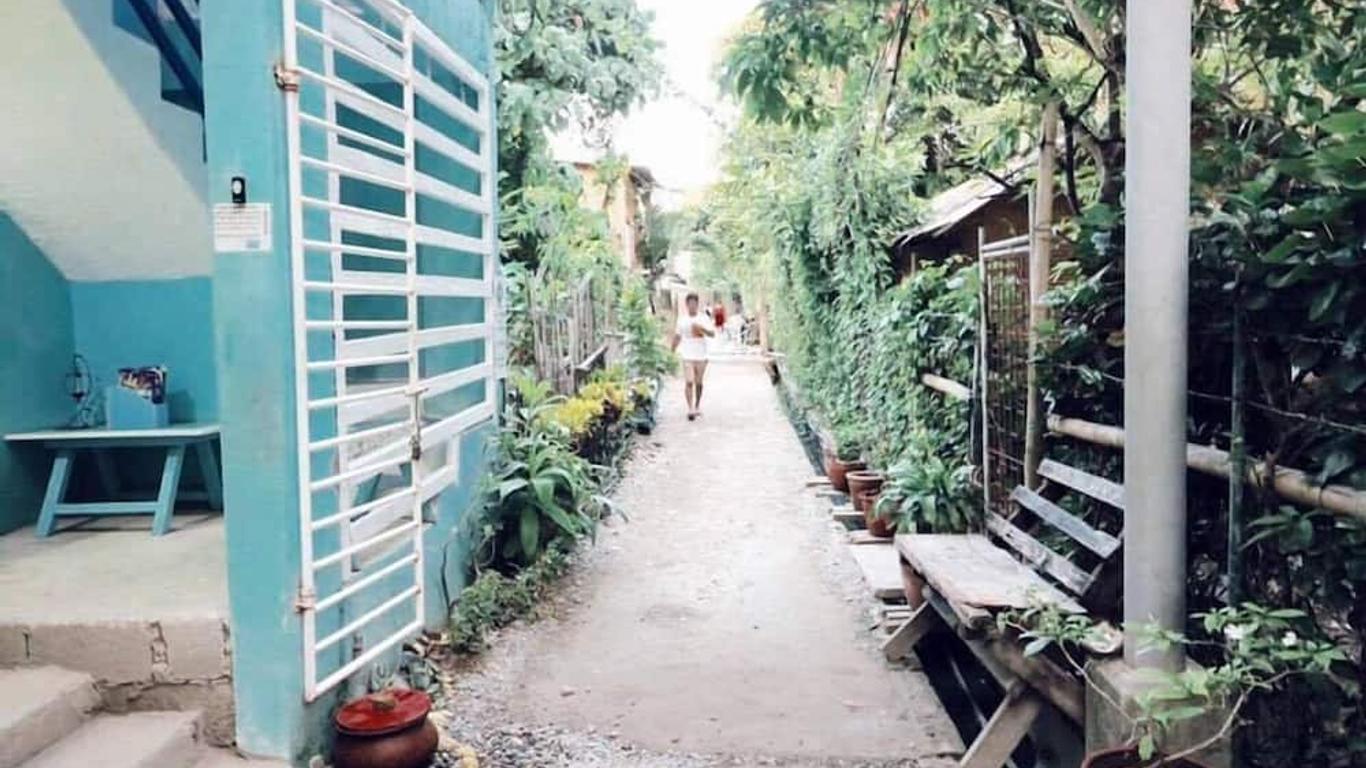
(674, 136)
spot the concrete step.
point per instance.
(39, 706)
(142, 740)
(222, 758)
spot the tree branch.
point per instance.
(1095, 41)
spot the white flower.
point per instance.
(1290, 640)
(1235, 632)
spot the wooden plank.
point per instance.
(910, 632)
(970, 570)
(1059, 686)
(849, 517)
(1003, 732)
(1096, 487)
(157, 435)
(881, 570)
(1038, 555)
(1099, 542)
(862, 538)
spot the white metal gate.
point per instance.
(391, 193)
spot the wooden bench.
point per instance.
(173, 440)
(970, 578)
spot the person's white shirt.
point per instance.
(690, 347)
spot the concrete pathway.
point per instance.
(724, 618)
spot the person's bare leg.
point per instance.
(697, 387)
(688, 393)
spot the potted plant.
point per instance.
(1255, 649)
(864, 485)
(924, 493)
(846, 457)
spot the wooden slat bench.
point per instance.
(969, 578)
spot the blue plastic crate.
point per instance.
(126, 409)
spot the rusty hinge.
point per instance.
(286, 79)
(306, 600)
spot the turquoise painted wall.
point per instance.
(36, 340)
(245, 126)
(152, 322)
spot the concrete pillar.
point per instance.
(1157, 171)
(245, 129)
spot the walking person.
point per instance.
(691, 332)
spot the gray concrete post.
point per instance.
(1157, 171)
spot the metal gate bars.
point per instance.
(392, 247)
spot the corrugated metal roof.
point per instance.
(951, 207)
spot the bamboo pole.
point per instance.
(947, 386)
(1237, 460)
(1040, 266)
(1290, 484)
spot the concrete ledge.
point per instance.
(139, 666)
(212, 698)
(1106, 727)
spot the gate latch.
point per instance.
(286, 79)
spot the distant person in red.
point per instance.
(718, 316)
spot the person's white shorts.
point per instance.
(694, 370)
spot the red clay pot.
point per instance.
(912, 585)
(880, 527)
(1127, 757)
(838, 471)
(385, 730)
(860, 481)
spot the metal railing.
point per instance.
(388, 377)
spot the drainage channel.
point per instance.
(965, 689)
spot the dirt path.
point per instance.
(721, 625)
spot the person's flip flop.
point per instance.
(692, 417)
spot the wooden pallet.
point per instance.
(861, 537)
(845, 514)
(881, 570)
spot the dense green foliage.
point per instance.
(539, 490)
(856, 109)
(578, 63)
(496, 600)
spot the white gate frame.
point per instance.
(379, 429)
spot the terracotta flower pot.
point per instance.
(1127, 757)
(385, 730)
(861, 481)
(880, 527)
(912, 585)
(838, 471)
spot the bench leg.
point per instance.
(56, 489)
(170, 483)
(911, 632)
(208, 467)
(1002, 734)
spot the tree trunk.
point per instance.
(1040, 265)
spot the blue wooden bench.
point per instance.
(174, 440)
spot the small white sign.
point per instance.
(239, 228)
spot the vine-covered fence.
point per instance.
(570, 335)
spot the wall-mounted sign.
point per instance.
(239, 228)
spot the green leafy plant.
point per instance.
(925, 493)
(539, 490)
(848, 444)
(495, 600)
(647, 356)
(1258, 649)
